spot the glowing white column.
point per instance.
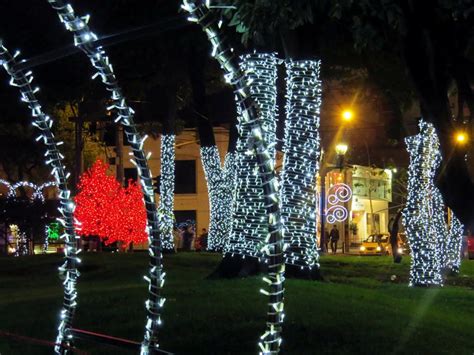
(166, 206)
(272, 245)
(220, 186)
(454, 244)
(250, 224)
(301, 162)
(423, 212)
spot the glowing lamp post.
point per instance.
(347, 115)
(341, 150)
(461, 137)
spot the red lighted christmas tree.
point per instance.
(108, 210)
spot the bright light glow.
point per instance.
(301, 162)
(341, 148)
(347, 115)
(461, 137)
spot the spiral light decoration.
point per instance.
(85, 39)
(301, 162)
(273, 245)
(54, 158)
(336, 212)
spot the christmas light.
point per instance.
(20, 240)
(166, 206)
(52, 231)
(423, 214)
(38, 192)
(273, 245)
(301, 162)
(106, 209)
(220, 186)
(250, 224)
(85, 39)
(454, 245)
(53, 158)
(337, 195)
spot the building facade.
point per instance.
(357, 201)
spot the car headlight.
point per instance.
(379, 248)
(362, 248)
(400, 250)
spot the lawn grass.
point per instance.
(358, 309)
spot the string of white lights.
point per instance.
(85, 39)
(38, 192)
(166, 206)
(200, 13)
(220, 186)
(454, 244)
(249, 221)
(422, 215)
(54, 159)
(301, 162)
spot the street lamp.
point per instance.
(341, 149)
(461, 137)
(347, 115)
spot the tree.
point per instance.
(106, 209)
(431, 41)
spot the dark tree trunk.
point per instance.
(196, 68)
(427, 47)
(169, 118)
(237, 266)
(397, 257)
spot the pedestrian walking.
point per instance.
(334, 236)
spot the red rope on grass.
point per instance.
(105, 336)
(38, 341)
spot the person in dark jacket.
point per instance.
(187, 238)
(334, 236)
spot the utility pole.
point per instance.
(322, 212)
